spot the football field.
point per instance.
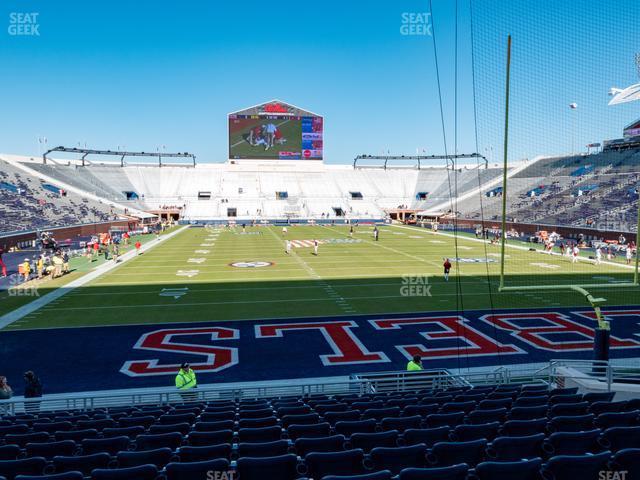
(222, 273)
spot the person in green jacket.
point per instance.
(186, 382)
(415, 364)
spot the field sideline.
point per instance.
(191, 278)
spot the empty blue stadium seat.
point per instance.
(264, 434)
(22, 439)
(131, 432)
(451, 407)
(399, 458)
(143, 472)
(520, 470)
(401, 424)
(606, 407)
(54, 476)
(528, 413)
(444, 419)
(24, 466)
(158, 457)
(49, 450)
(321, 464)
(382, 475)
(572, 467)
(160, 440)
(216, 426)
(195, 470)
(517, 428)
(369, 441)
(247, 423)
(264, 449)
(618, 419)
(358, 426)
(76, 435)
(110, 445)
(572, 443)
(308, 431)
(580, 408)
(487, 416)
(451, 453)
(453, 472)
(428, 436)
(465, 433)
(9, 452)
(210, 438)
(619, 438)
(181, 428)
(82, 463)
(578, 423)
(207, 452)
(334, 443)
(283, 467)
(593, 397)
(305, 419)
(627, 460)
(344, 416)
(511, 449)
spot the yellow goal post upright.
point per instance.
(578, 287)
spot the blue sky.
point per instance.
(148, 73)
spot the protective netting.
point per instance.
(571, 201)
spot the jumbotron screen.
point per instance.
(275, 137)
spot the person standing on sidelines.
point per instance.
(185, 382)
(376, 232)
(576, 252)
(287, 244)
(351, 231)
(315, 247)
(629, 254)
(96, 250)
(32, 389)
(415, 364)
(138, 245)
(447, 269)
(598, 255)
(284, 231)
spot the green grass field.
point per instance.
(362, 277)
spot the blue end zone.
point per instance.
(99, 358)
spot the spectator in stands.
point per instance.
(415, 364)
(32, 389)
(186, 381)
(5, 390)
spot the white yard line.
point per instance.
(331, 293)
(40, 302)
